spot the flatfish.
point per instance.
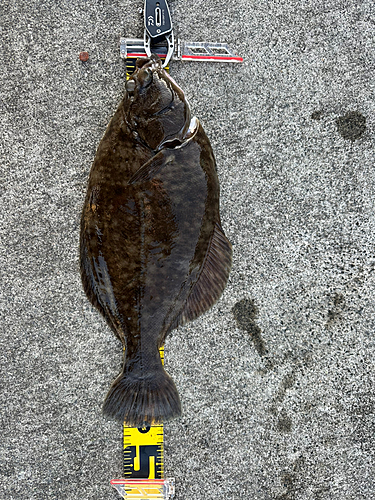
(153, 254)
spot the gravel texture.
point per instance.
(277, 380)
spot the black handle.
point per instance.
(158, 21)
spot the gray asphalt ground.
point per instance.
(277, 380)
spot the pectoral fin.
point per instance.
(149, 169)
(211, 281)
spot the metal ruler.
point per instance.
(184, 51)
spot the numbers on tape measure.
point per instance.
(143, 461)
(143, 452)
(144, 430)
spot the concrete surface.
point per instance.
(277, 380)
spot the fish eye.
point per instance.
(147, 77)
(130, 85)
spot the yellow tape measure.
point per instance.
(143, 452)
(130, 67)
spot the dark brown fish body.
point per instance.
(153, 254)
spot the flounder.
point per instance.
(153, 254)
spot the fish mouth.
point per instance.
(143, 74)
(153, 62)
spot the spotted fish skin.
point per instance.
(153, 254)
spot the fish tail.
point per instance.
(140, 398)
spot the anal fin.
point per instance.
(211, 281)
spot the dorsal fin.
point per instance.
(211, 281)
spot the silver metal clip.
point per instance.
(158, 28)
(170, 47)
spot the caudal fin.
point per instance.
(143, 400)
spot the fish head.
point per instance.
(155, 107)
